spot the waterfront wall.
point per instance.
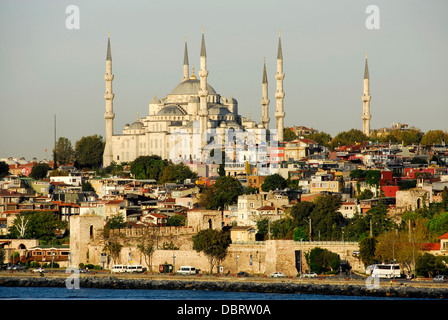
(345, 289)
(265, 257)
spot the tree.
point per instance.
(64, 151)
(89, 151)
(322, 260)
(147, 243)
(39, 171)
(273, 182)
(116, 222)
(177, 220)
(224, 192)
(322, 138)
(148, 167)
(40, 225)
(87, 186)
(325, 218)
(438, 225)
(4, 169)
(348, 138)
(288, 134)
(367, 248)
(213, 243)
(429, 265)
(177, 173)
(434, 137)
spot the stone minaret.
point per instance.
(280, 94)
(265, 100)
(366, 116)
(109, 115)
(203, 93)
(186, 66)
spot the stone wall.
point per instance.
(265, 257)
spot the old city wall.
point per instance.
(266, 257)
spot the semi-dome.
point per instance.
(190, 87)
(171, 110)
(217, 110)
(136, 125)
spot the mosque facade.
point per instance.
(190, 119)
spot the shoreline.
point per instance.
(321, 286)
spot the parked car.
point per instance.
(242, 274)
(278, 275)
(39, 270)
(440, 278)
(17, 267)
(187, 270)
(309, 275)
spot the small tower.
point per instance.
(203, 93)
(186, 66)
(280, 94)
(366, 116)
(109, 115)
(265, 100)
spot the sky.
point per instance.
(48, 70)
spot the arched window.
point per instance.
(91, 232)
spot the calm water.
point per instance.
(44, 293)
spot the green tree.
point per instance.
(224, 192)
(87, 186)
(434, 137)
(438, 225)
(367, 247)
(39, 171)
(348, 138)
(148, 167)
(40, 225)
(322, 138)
(89, 151)
(213, 243)
(4, 169)
(64, 151)
(273, 182)
(288, 134)
(177, 173)
(116, 222)
(322, 260)
(177, 220)
(326, 219)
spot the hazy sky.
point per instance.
(48, 69)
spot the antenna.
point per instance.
(54, 149)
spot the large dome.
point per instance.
(190, 87)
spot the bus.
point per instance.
(387, 271)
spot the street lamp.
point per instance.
(237, 257)
(174, 262)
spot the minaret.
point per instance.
(366, 116)
(109, 115)
(203, 93)
(186, 66)
(279, 94)
(265, 100)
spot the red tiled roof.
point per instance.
(430, 246)
(444, 236)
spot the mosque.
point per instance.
(179, 126)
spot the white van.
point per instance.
(118, 268)
(186, 270)
(134, 268)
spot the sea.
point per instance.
(195, 304)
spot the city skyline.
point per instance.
(50, 70)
